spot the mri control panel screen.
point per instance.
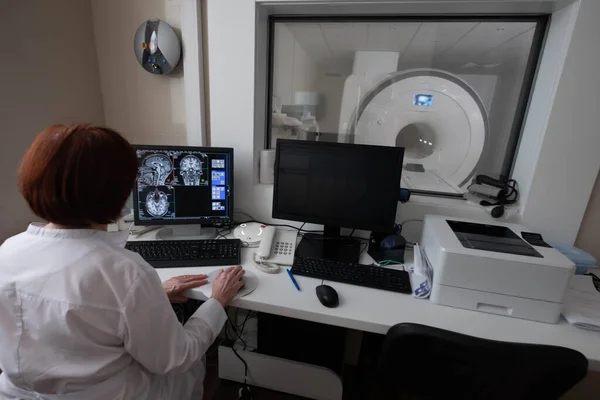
(425, 100)
(183, 185)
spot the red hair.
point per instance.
(78, 175)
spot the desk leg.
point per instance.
(279, 374)
(352, 348)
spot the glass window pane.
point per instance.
(447, 91)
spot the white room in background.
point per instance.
(360, 81)
(237, 61)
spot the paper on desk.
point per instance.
(421, 276)
(582, 303)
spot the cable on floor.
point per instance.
(246, 387)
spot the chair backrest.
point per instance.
(421, 362)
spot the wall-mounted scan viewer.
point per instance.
(157, 47)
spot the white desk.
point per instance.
(376, 311)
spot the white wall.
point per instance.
(484, 84)
(283, 65)
(146, 108)
(566, 168)
(232, 48)
(331, 88)
(294, 70)
(231, 37)
(49, 75)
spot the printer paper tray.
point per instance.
(509, 306)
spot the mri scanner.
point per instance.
(436, 116)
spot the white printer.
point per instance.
(490, 268)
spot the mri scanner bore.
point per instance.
(447, 91)
(446, 137)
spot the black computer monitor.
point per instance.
(179, 185)
(337, 185)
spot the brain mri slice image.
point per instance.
(190, 170)
(155, 170)
(157, 203)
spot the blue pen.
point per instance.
(293, 279)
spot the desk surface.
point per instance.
(376, 311)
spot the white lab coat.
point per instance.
(81, 318)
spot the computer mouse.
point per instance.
(327, 296)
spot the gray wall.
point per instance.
(48, 75)
(145, 108)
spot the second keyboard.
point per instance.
(356, 274)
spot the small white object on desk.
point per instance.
(251, 233)
(277, 247)
(421, 276)
(204, 292)
(582, 303)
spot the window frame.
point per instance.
(542, 22)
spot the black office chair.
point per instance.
(421, 362)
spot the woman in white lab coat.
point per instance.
(83, 318)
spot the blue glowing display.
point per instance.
(424, 100)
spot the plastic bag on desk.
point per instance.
(421, 276)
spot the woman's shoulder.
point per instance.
(116, 269)
(99, 273)
(13, 241)
(122, 258)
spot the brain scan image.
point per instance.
(155, 170)
(157, 203)
(190, 170)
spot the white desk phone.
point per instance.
(275, 247)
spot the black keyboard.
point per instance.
(355, 274)
(187, 253)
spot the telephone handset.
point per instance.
(276, 248)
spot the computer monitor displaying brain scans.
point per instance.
(183, 185)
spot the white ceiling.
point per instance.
(445, 45)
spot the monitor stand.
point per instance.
(329, 246)
(186, 232)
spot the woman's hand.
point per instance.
(175, 287)
(227, 283)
